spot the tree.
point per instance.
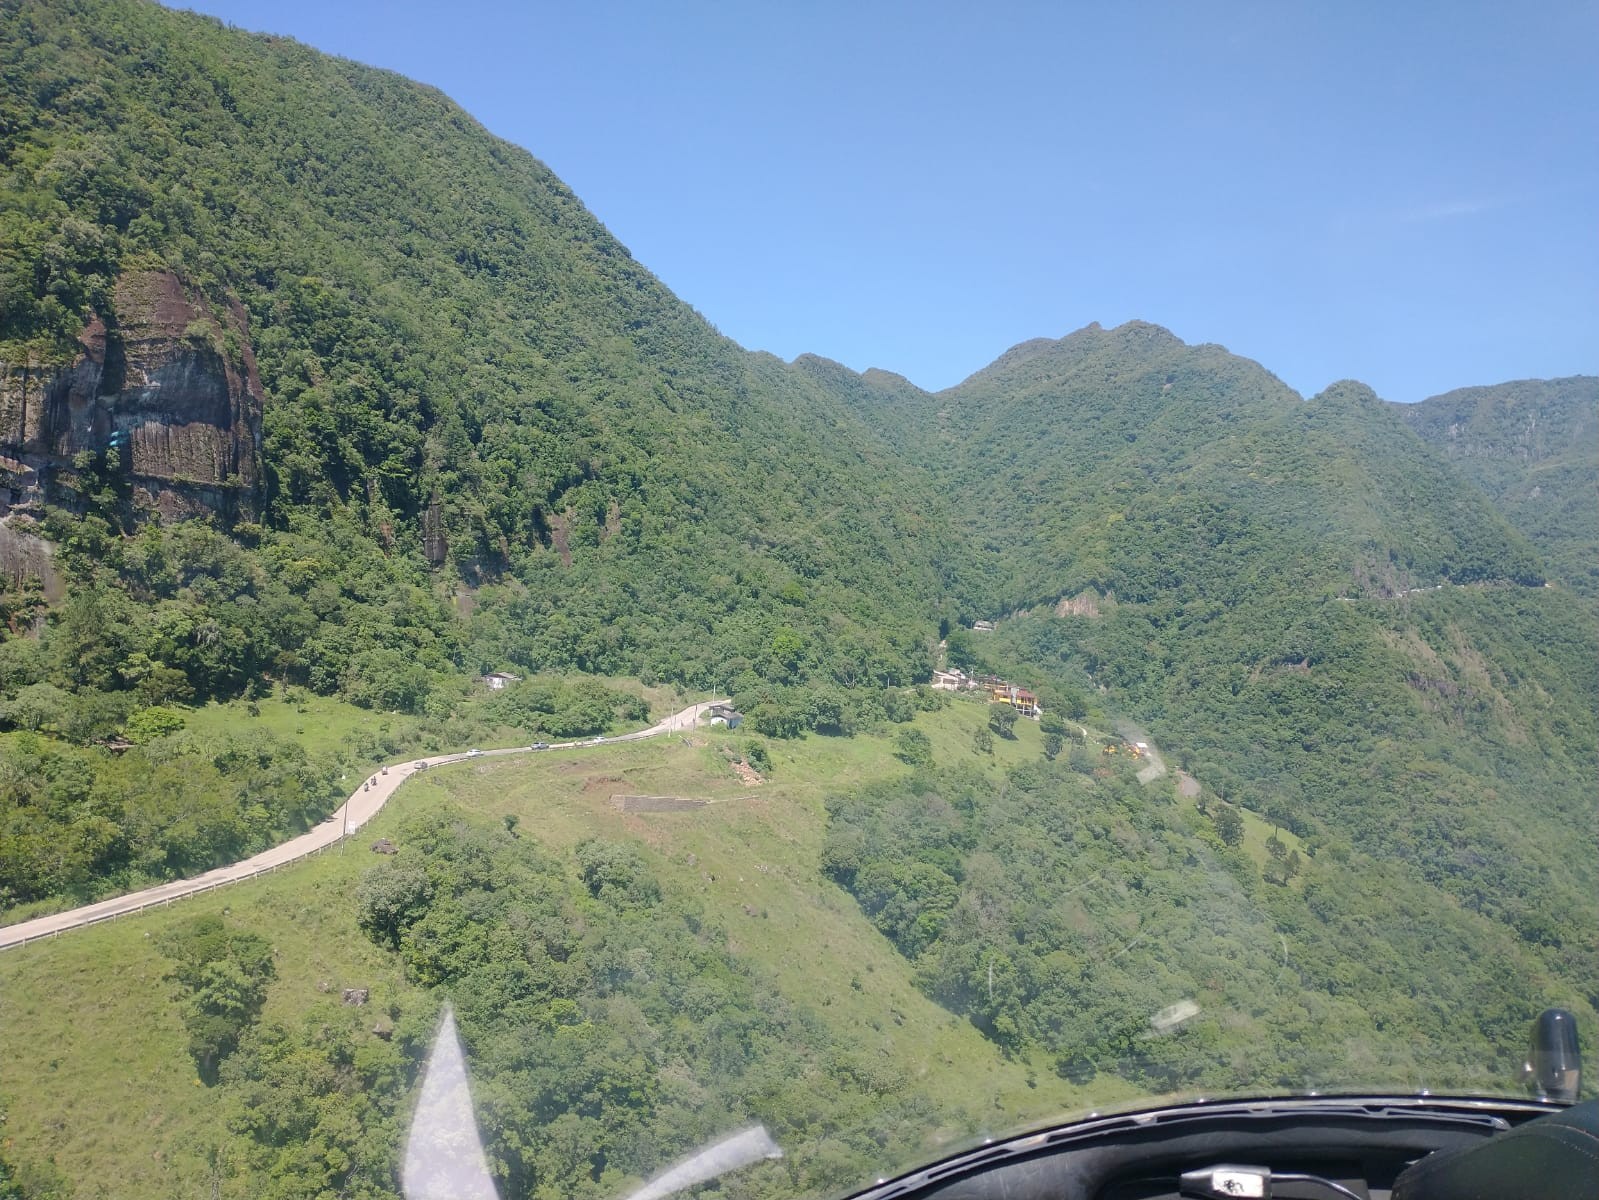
(757, 755)
(1279, 856)
(1002, 720)
(390, 899)
(1229, 825)
(788, 649)
(1074, 703)
(983, 740)
(616, 873)
(222, 975)
(37, 706)
(960, 651)
(150, 723)
(1053, 744)
(914, 748)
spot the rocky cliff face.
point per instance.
(163, 380)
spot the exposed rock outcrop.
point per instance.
(166, 381)
(1087, 603)
(434, 544)
(24, 556)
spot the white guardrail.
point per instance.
(131, 905)
(163, 901)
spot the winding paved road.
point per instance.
(359, 808)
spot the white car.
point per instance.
(473, 753)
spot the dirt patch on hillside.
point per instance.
(656, 804)
(560, 526)
(1087, 603)
(748, 775)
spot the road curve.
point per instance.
(358, 808)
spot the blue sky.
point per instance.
(1406, 194)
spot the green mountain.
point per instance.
(442, 355)
(1126, 461)
(1334, 627)
(436, 419)
(317, 401)
(1533, 447)
(442, 422)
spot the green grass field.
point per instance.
(93, 1068)
(321, 724)
(325, 724)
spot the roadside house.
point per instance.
(724, 714)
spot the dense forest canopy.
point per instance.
(445, 337)
(1532, 446)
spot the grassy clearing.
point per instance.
(93, 1067)
(326, 725)
(953, 729)
(751, 856)
(322, 724)
(1257, 832)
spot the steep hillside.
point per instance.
(426, 417)
(436, 347)
(1126, 461)
(986, 939)
(627, 986)
(1533, 446)
(1335, 628)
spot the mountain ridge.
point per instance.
(1532, 446)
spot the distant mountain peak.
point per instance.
(811, 361)
(1138, 337)
(878, 377)
(1349, 392)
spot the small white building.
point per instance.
(950, 681)
(497, 680)
(725, 715)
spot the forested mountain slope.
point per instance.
(458, 366)
(488, 437)
(1126, 461)
(1334, 626)
(1533, 446)
(434, 419)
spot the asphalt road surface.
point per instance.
(359, 808)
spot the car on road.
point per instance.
(474, 753)
(539, 746)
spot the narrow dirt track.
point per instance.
(359, 808)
